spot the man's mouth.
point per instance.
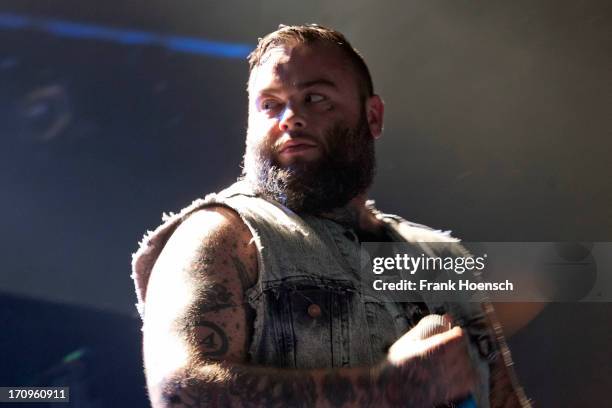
(296, 147)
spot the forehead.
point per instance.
(286, 66)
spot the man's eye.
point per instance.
(269, 104)
(314, 98)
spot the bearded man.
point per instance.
(250, 297)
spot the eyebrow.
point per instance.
(303, 85)
(320, 81)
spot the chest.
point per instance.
(310, 309)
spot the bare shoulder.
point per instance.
(211, 235)
(214, 223)
(195, 309)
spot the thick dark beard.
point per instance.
(344, 170)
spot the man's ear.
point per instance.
(375, 111)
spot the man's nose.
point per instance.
(291, 119)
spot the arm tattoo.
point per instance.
(274, 389)
(250, 387)
(217, 298)
(211, 339)
(416, 385)
(338, 390)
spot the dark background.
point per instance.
(497, 127)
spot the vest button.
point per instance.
(314, 311)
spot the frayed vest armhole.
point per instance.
(153, 242)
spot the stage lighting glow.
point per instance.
(70, 29)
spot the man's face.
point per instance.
(309, 145)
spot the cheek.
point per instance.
(328, 107)
(262, 135)
(261, 129)
(260, 120)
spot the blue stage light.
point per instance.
(69, 29)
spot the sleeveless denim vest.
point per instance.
(309, 309)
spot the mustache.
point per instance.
(298, 134)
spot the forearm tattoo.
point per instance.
(242, 387)
(338, 390)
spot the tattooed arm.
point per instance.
(197, 330)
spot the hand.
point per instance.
(436, 355)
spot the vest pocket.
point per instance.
(308, 323)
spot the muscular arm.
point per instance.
(198, 326)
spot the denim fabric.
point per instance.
(308, 262)
(310, 312)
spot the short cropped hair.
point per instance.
(311, 34)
